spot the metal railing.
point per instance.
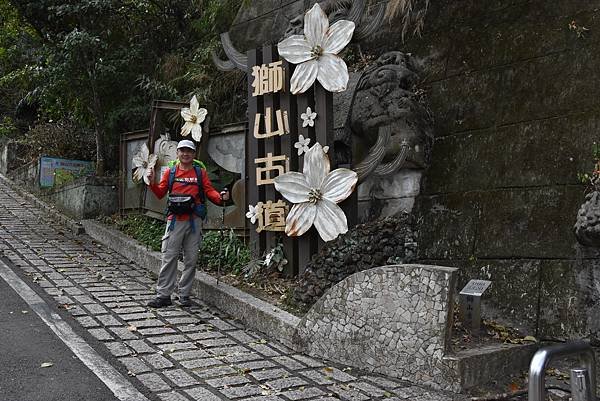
(542, 358)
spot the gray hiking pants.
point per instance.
(173, 241)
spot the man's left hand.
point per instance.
(225, 195)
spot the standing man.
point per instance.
(188, 187)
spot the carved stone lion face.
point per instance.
(385, 96)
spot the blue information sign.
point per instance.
(56, 171)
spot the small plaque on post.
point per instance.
(470, 304)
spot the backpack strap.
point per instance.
(172, 171)
(200, 185)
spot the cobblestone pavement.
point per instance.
(178, 354)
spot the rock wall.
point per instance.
(513, 88)
(85, 197)
(393, 320)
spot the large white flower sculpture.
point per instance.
(316, 52)
(144, 162)
(315, 193)
(194, 116)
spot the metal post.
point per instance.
(542, 358)
(580, 385)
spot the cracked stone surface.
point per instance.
(196, 353)
(392, 320)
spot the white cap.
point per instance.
(186, 143)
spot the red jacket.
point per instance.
(162, 188)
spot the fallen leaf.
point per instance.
(530, 338)
(132, 328)
(46, 365)
(24, 311)
(328, 369)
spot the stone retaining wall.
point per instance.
(85, 197)
(393, 320)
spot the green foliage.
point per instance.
(7, 127)
(101, 63)
(145, 229)
(60, 139)
(225, 248)
(592, 179)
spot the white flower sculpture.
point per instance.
(194, 116)
(252, 213)
(315, 193)
(144, 162)
(302, 144)
(308, 118)
(316, 52)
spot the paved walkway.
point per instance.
(177, 354)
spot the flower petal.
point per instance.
(316, 24)
(330, 221)
(338, 36)
(300, 219)
(293, 186)
(186, 114)
(295, 49)
(333, 73)
(339, 184)
(201, 115)
(310, 122)
(197, 132)
(194, 105)
(152, 159)
(304, 76)
(138, 174)
(187, 128)
(305, 123)
(138, 161)
(147, 176)
(316, 166)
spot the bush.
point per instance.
(145, 229)
(227, 248)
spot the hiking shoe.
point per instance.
(185, 301)
(159, 302)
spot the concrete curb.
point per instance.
(68, 222)
(256, 314)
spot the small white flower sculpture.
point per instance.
(315, 193)
(252, 213)
(144, 162)
(194, 116)
(316, 52)
(302, 144)
(308, 118)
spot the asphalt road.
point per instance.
(26, 343)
